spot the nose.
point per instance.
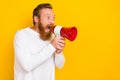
(52, 21)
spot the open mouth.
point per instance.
(49, 27)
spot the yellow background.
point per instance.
(94, 55)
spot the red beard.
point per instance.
(45, 35)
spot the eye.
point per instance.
(48, 17)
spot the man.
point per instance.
(37, 50)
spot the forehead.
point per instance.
(47, 11)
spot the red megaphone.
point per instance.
(69, 33)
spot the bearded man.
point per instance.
(37, 50)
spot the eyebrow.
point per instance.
(49, 14)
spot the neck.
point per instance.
(35, 28)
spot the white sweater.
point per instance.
(35, 59)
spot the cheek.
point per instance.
(44, 23)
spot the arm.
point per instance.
(27, 60)
(59, 60)
(59, 43)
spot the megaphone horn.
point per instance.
(69, 33)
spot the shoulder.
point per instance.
(21, 33)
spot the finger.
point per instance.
(62, 38)
(61, 41)
(60, 48)
(60, 44)
(58, 51)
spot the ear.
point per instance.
(36, 19)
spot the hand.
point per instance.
(59, 43)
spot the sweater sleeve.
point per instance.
(59, 60)
(27, 60)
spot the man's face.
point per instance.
(46, 23)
